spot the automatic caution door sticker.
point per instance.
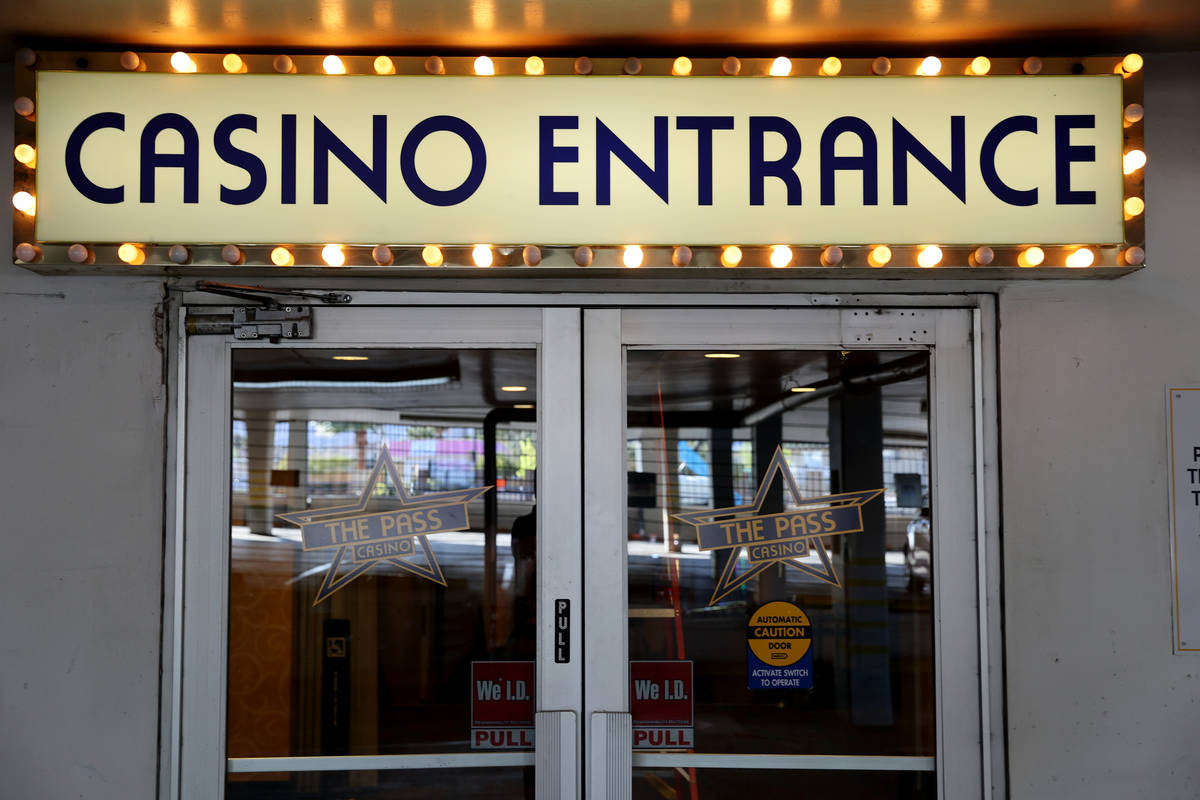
(779, 648)
(782, 538)
(399, 536)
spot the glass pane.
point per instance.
(484, 783)
(716, 784)
(779, 540)
(373, 580)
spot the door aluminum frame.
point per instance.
(962, 761)
(192, 754)
(199, 570)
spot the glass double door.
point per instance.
(568, 552)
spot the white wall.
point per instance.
(81, 451)
(1097, 705)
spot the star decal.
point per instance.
(396, 536)
(782, 538)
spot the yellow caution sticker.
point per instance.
(779, 644)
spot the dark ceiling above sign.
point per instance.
(795, 26)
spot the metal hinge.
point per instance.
(253, 322)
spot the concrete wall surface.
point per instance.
(1098, 707)
(81, 483)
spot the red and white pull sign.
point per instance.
(502, 705)
(660, 702)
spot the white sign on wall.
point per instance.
(1183, 421)
(214, 158)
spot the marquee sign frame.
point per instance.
(681, 260)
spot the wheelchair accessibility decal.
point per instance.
(398, 536)
(783, 538)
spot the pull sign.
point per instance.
(562, 631)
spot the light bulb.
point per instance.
(929, 256)
(25, 203)
(1133, 161)
(333, 66)
(980, 65)
(879, 255)
(1031, 257)
(535, 66)
(484, 66)
(332, 255)
(932, 65)
(232, 62)
(1134, 256)
(131, 254)
(1083, 257)
(1131, 63)
(1134, 206)
(731, 256)
(831, 66)
(431, 254)
(282, 257)
(682, 66)
(384, 66)
(632, 257)
(781, 255)
(382, 255)
(182, 62)
(831, 256)
(781, 66)
(481, 254)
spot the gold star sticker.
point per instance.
(782, 538)
(396, 536)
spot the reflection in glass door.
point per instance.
(798, 609)
(695, 553)
(362, 612)
(382, 567)
(778, 545)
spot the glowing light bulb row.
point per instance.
(682, 66)
(631, 256)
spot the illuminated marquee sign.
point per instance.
(407, 161)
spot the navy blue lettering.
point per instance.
(549, 155)
(252, 164)
(783, 167)
(607, 144)
(953, 177)
(408, 160)
(325, 144)
(1066, 154)
(188, 160)
(867, 163)
(287, 155)
(704, 127)
(84, 185)
(987, 160)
